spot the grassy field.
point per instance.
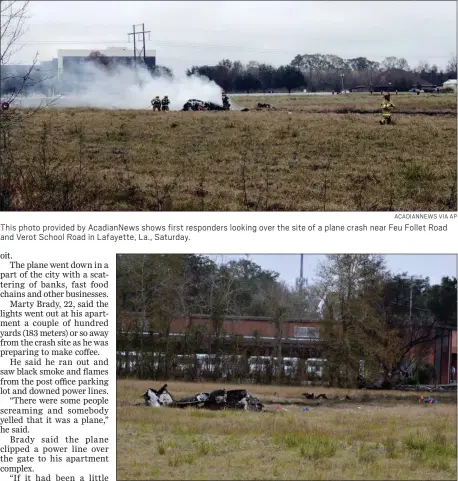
(317, 103)
(86, 159)
(376, 437)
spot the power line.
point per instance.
(406, 305)
(191, 45)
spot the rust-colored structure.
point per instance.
(300, 333)
(443, 355)
(238, 325)
(249, 326)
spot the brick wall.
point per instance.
(244, 327)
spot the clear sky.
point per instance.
(186, 33)
(434, 266)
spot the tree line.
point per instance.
(323, 72)
(317, 72)
(364, 311)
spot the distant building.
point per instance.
(26, 79)
(48, 67)
(450, 84)
(70, 59)
(389, 87)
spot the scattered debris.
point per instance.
(313, 396)
(346, 398)
(265, 106)
(428, 400)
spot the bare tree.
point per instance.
(14, 83)
(13, 16)
(278, 298)
(220, 304)
(451, 66)
(350, 286)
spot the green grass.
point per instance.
(381, 440)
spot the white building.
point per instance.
(450, 84)
(70, 57)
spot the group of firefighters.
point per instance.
(163, 104)
(159, 104)
(387, 106)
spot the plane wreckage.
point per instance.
(238, 399)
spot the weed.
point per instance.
(204, 448)
(175, 460)
(315, 447)
(189, 458)
(366, 454)
(161, 447)
(416, 443)
(391, 449)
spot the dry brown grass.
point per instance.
(140, 160)
(313, 103)
(366, 441)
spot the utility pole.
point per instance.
(412, 279)
(142, 52)
(144, 43)
(301, 275)
(135, 48)
(410, 301)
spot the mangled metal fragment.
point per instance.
(158, 398)
(265, 106)
(200, 105)
(198, 400)
(313, 396)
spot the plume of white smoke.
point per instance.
(127, 88)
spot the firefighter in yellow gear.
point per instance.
(156, 103)
(387, 107)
